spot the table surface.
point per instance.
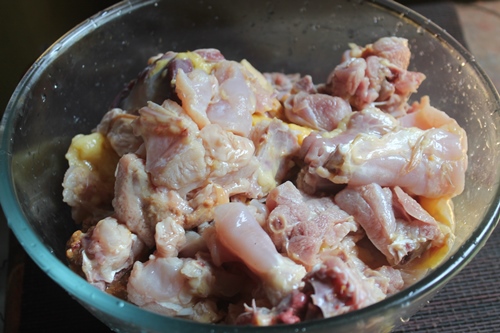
(469, 303)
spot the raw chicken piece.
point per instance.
(314, 184)
(195, 90)
(156, 82)
(116, 125)
(210, 55)
(340, 286)
(424, 116)
(265, 96)
(232, 162)
(107, 250)
(341, 283)
(182, 158)
(316, 111)
(376, 75)
(317, 147)
(373, 147)
(170, 237)
(234, 105)
(286, 85)
(150, 85)
(202, 203)
(303, 105)
(393, 49)
(88, 182)
(276, 145)
(174, 287)
(292, 309)
(174, 153)
(301, 227)
(225, 152)
(139, 204)
(259, 211)
(219, 252)
(430, 163)
(393, 221)
(304, 84)
(282, 83)
(226, 93)
(238, 230)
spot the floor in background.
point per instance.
(4, 245)
(481, 28)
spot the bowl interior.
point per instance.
(71, 86)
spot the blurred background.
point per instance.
(29, 27)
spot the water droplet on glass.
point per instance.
(44, 98)
(420, 30)
(398, 26)
(56, 86)
(404, 320)
(120, 304)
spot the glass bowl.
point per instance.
(68, 89)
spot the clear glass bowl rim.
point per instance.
(112, 306)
